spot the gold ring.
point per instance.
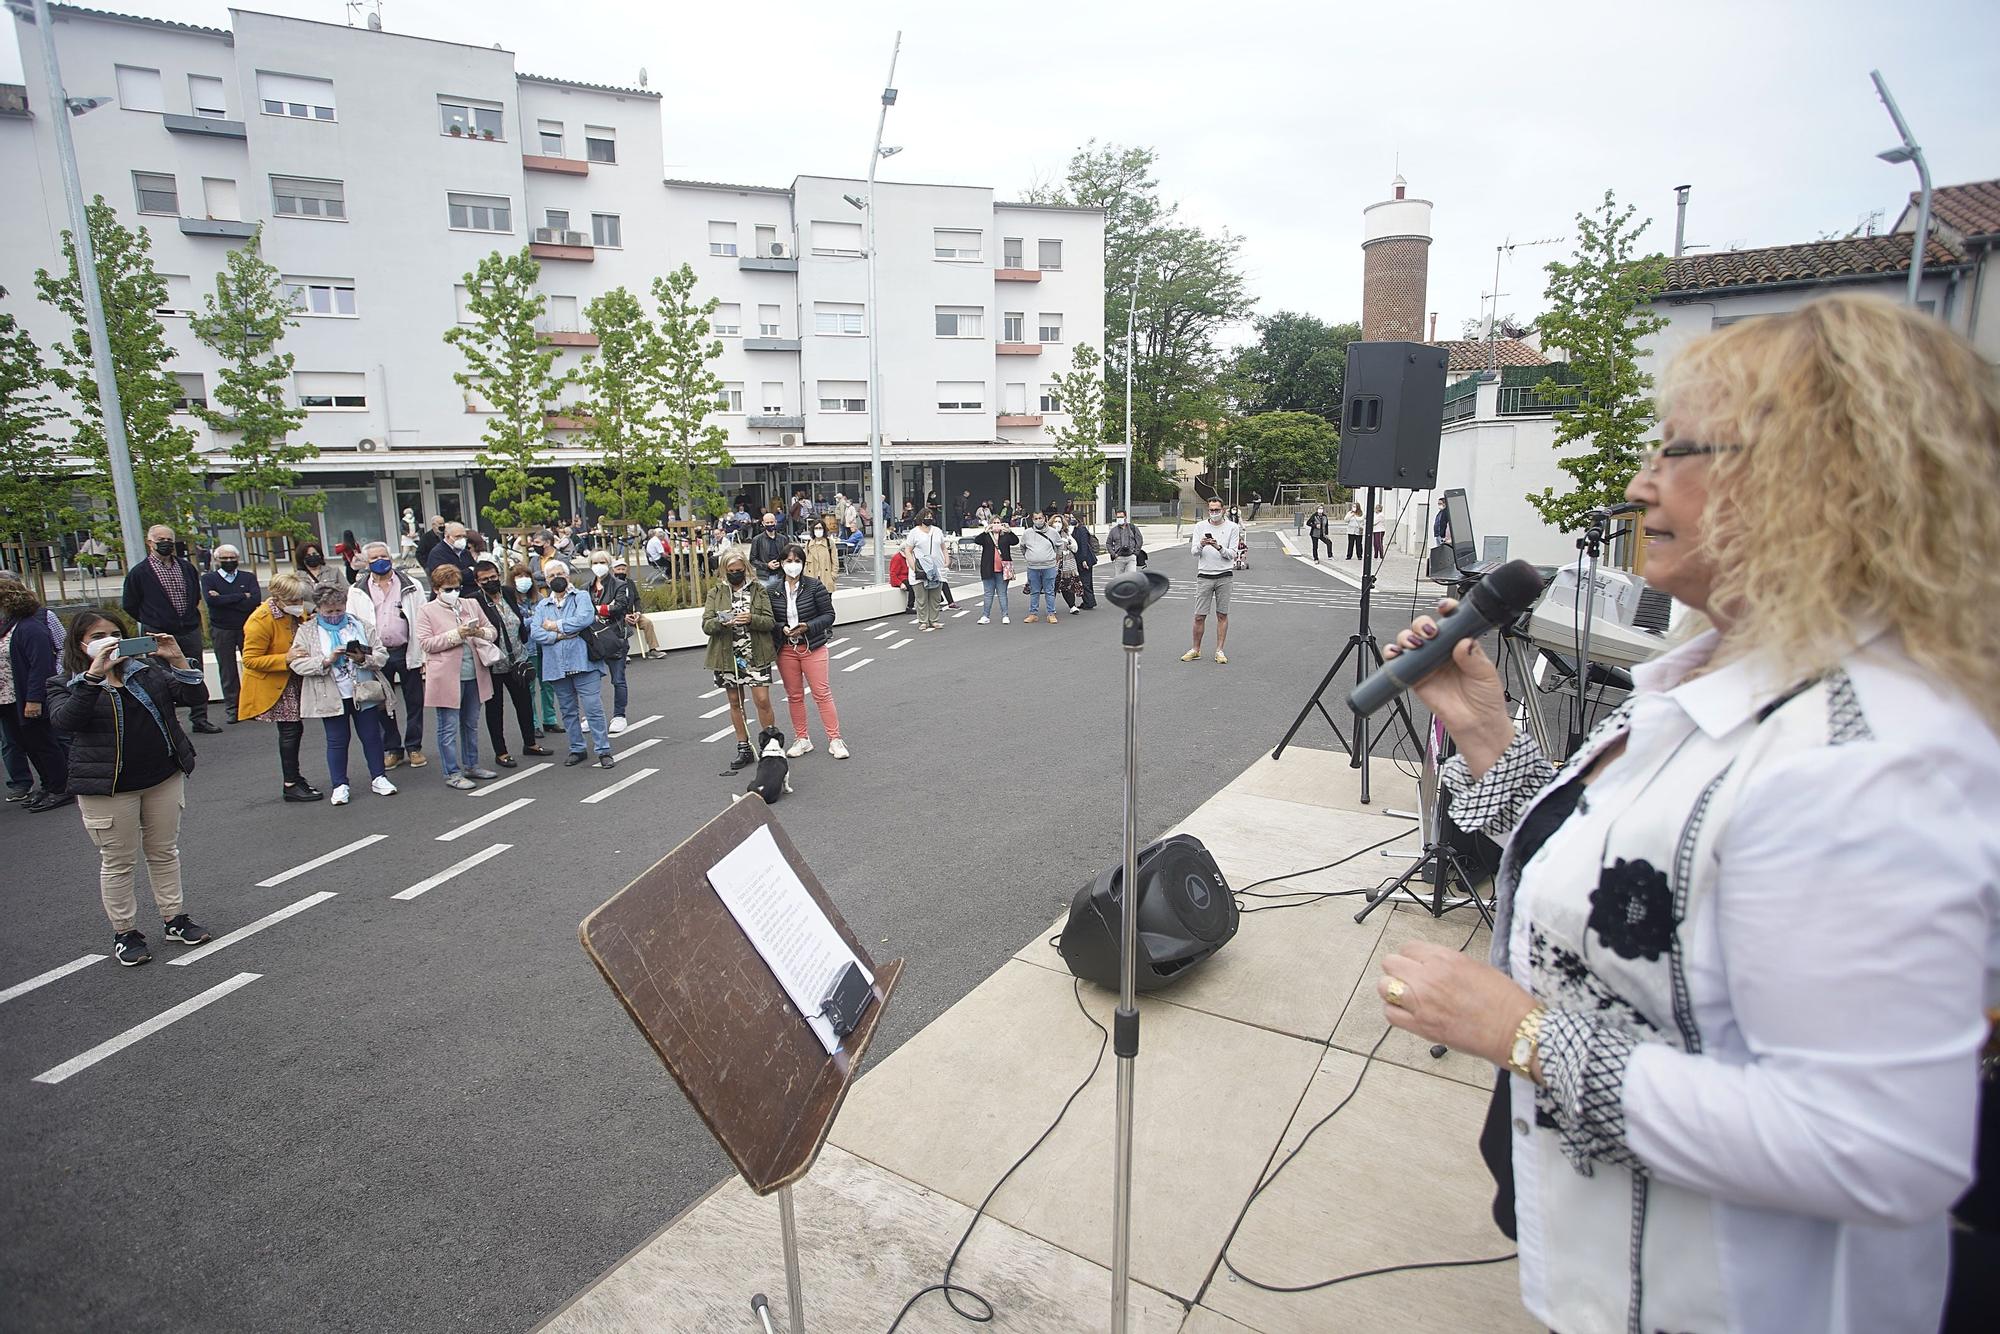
(1397, 988)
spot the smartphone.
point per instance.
(137, 646)
(354, 650)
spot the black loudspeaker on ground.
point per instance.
(1186, 913)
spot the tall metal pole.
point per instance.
(1131, 327)
(1126, 1021)
(876, 520)
(1680, 218)
(1909, 152)
(111, 409)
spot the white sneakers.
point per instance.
(617, 724)
(381, 787)
(1005, 621)
(338, 797)
(803, 746)
(837, 748)
(984, 620)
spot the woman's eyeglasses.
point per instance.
(1681, 451)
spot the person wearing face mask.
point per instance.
(1042, 550)
(455, 550)
(996, 567)
(536, 701)
(767, 551)
(636, 619)
(823, 550)
(1085, 588)
(926, 549)
(1124, 544)
(128, 767)
(458, 640)
(163, 594)
(386, 600)
(27, 661)
(318, 570)
(738, 620)
(614, 597)
(804, 612)
(231, 594)
(557, 624)
(1355, 520)
(1318, 524)
(511, 672)
(1213, 546)
(270, 691)
(339, 659)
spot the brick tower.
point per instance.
(1395, 267)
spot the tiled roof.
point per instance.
(1970, 210)
(141, 19)
(725, 185)
(1815, 261)
(1474, 354)
(593, 87)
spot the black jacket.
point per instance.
(993, 551)
(230, 604)
(31, 656)
(1086, 547)
(95, 719)
(614, 597)
(145, 600)
(765, 548)
(442, 553)
(815, 612)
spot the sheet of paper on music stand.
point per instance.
(767, 899)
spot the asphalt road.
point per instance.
(429, 1113)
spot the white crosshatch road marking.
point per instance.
(516, 804)
(43, 979)
(244, 932)
(857, 666)
(141, 1031)
(430, 883)
(321, 860)
(619, 786)
(529, 772)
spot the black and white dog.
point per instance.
(774, 776)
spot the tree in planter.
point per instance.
(513, 373)
(695, 447)
(1273, 449)
(1598, 313)
(32, 481)
(620, 397)
(166, 469)
(1080, 464)
(245, 319)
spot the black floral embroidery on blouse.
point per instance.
(1632, 910)
(1572, 986)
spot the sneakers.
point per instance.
(803, 746)
(461, 782)
(339, 797)
(837, 748)
(382, 787)
(182, 931)
(605, 760)
(392, 759)
(1221, 658)
(1192, 655)
(417, 760)
(1005, 621)
(22, 794)
(303, 791)
(1052, 618)
(984, 620)
(618, 724)
(130, 949)
(1029, 619)
(576, 757)
(483, 774)
(745, 757)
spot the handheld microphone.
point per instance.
(1494, 600)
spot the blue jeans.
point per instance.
(410, 680)
(368, 723)
(458, 731)
(582, 690)
(1042, 584)
(996, 590)
(615, 668)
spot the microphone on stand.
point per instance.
(1495, 600)
(1613, 511)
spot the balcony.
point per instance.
(1018, 349)
(553, 243)
(217, 227)
(566, 338)
(560, 166)
(208, 125)
(1017, 275)
(558, 421)
(770, 345)
(767, 264)
(776, 422)
(1018, 419)
(1520, 400)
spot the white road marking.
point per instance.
(630, 728)
(836, 643)
(899, 643)
(710, 694)
(244, 932)
(619, 786)
(845, 652)
(717, 736)
(486, 819)
(885, 634)
(426, 885)
(635, 749)
(43, 979)
(113, 1046)
(490, 788)
(321, 860)
(857, 666)
(967, 612)
(718, 711)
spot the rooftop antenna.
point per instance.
(1507, 246)
(642, 76)
(371, 8)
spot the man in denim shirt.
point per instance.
(557, 623)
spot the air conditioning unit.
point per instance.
(779, 250)
(576, 238)
(549, 235)
(788, 439)
(367, 445)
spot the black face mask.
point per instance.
(314, 560)
(226, 564)
(736, 578)
(490, 585)
(559, 585)
(164, 548)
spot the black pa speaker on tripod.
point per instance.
(1186, 913)
(1390, 410)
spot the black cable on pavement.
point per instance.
(1300, 898)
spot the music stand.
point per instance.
(719, 1019)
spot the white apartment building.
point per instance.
(383, 167)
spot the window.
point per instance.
(728, 320)
(556, 219)
(843, 396)
(461, 296)
(1050, 403)
(731, 397)
(767, 241)
(767, 321)
(194, 393)
(297, 197)
(321, 296)
(836, 238)
(605, 230)
(600, 143)
(205, 96)
(1051, 327)
(1050, 253)
(721, 238)
(562, 314)
(551, 132)
(157, 192)
(774, 398)
(1010, 326)
(836, 317)
(961, 396)
(289, 95)
(954, 244)
(959, 321)
(1010, 253)
(333, 391)
(480, 213)
(180, 295)
(1014, 399)
(481, 120)
(139, 89)
(218, 197)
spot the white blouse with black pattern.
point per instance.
(1765, 937)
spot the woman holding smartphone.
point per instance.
(339, 658)
(128, 765)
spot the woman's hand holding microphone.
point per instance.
(1464, 693)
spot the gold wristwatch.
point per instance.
(1527, 1043)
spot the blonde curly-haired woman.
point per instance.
(1743, 936)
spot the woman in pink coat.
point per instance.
(456, 682)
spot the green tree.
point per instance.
(166, 469)
(1272, 449)
(33, 481)
(695, 447)
(1598, 314)
(513, 374)
(245, 319)
(1080, 463)
(619, 396)
(1297, 364)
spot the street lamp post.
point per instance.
(1908, 151)
(874, 341)
(1131, 328)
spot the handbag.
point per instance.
(490, 655)
(601, 640)
(370, 690)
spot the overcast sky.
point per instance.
(1281, 121)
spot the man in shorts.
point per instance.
(1214, 548)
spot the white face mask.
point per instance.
(458, 544)
(600, 570)
(523, 584)
(449, 597)
(91, 647)
(792, 569)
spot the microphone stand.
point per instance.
(1591, 544)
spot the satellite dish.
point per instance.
(642, 76)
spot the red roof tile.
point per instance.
(1970, 210)
(1473, 354)
(1815, 261)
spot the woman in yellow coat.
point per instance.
(270, 689)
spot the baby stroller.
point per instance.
(1242, 553)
